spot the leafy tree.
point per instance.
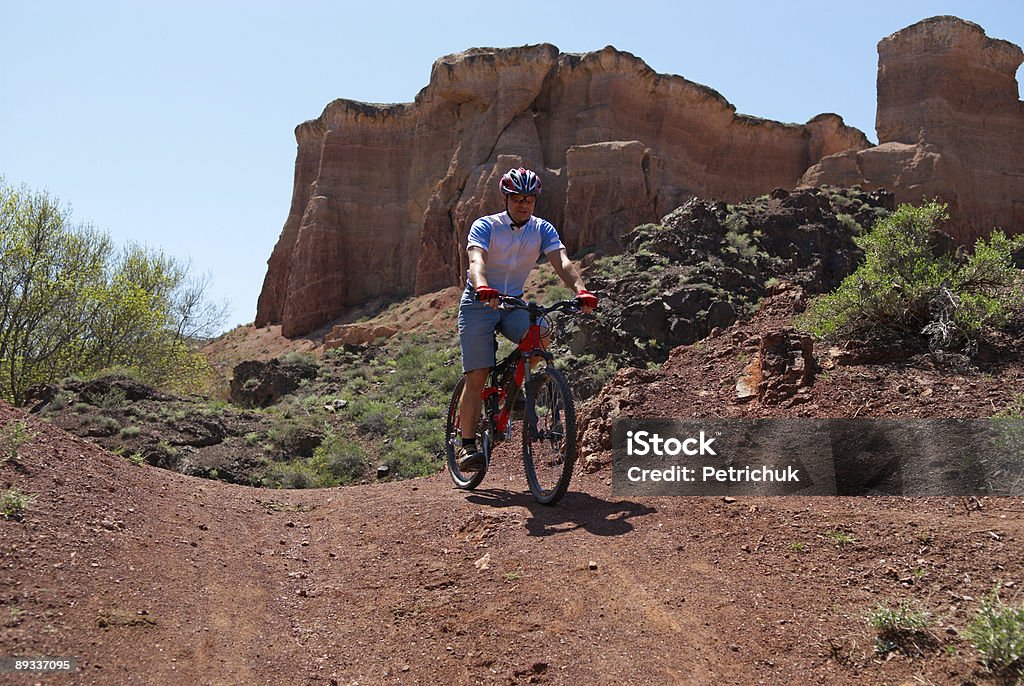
(71, 303)
(905, 288)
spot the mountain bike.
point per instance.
(548, 413)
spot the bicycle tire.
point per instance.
(453, 442)
(550, 453)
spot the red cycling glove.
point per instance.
(486, 293)
(587, 298)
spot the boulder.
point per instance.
(357, 334)
(781, 367)
(255, 383)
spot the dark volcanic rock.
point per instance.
(708, 264)
(258, 384)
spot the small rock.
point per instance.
(728, 499)
(592, 565)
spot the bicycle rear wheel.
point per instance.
(549, 447)
(453, 441)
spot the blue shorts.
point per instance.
(477, 324)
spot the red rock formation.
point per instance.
(384, 194)
(950, 125)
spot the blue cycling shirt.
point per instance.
(512, 254)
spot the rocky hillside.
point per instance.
(368, 403)
(708, 264)
(297, 421)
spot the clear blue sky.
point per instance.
(171, 123)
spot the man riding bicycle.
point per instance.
(503, 249)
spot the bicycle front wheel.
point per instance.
(453, 441)
(549, 445)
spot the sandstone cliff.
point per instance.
(950, 125)
(384, 194)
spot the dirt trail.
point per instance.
(149, 577)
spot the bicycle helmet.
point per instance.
(521, 181)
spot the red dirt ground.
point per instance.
(149, 577)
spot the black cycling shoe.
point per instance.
(471, 461)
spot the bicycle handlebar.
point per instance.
(508, 302)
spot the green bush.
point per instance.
(71, 302)
(288, 436)
(14, 504)
(412, 458)
(298, 358)
(901, 628)
(1014, 409)
(112, 399)
(12, 437)
(556, 293)
(338, 460)
(904, 288)
(997, 632)
(291, 475)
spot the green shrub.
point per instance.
(904, 289)
(131, 431)
(290, 436)
(14, 504)
(291, 475)
(408, 459)
(12, 437)
(1014, 409)
(374, 423)
(338, 460)
(848, 222)
(298, 358)
(107, 426)
(901, 628)
(997, 632)
(740, 243)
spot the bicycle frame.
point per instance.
(500, 412)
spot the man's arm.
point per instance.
(566, 270)
(477, 266)
(478, 275)
(570, 276)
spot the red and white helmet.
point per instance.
(521, 181)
